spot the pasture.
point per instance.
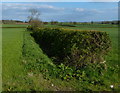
(18, 47)
(0, 57)
(12, 42)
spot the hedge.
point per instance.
(73, 47)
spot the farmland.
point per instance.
(21, 54)
(0, 57)
(12, 55)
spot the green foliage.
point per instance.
(16, 77)
(91, 77)
(35, 23)
(73, 47)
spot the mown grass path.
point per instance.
(12, 68)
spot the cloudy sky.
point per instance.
(60, 0)
(62, 11)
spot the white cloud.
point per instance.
(82, 10)
(60, 0)
(103, 0)
(79, 9)
(45, 1)
(28, 6)
(50, 12)
(46, 6)
(97, 11)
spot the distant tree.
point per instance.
(92, 22)
(106, 22)
(54, 22)
(26, 22)
(34, 14)
(70, 22)
(118, 22)
(60, 23)
(45, 23)
(102, 22)
(74, 23)
(112, 23)
(34, 20)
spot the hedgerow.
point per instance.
(94, 74)
(97, 73)
(36, 60)
(73, 47)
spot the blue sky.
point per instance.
(62, 11)
(60, 0)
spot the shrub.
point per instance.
(35, 23)
(73, 47)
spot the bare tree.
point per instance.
(34, 20)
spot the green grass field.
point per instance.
(14, 25)
(16, 77)
(0, 58)
(12, 55)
